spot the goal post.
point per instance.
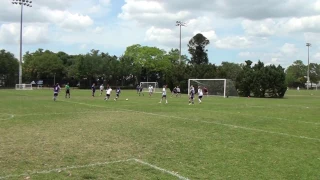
(215, 87)
(24, 87)
(145, 86)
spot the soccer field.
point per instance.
(222, 138)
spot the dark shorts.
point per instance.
(68, 91)
(117, 95)
(200, 97)
(191, 97)
(108, 95)
(164, 96)
(55, 94)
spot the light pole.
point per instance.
(308, 75)
(180, 23)
(28, 4)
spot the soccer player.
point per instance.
(205, 90)
(101, 89)
(150, 90)
(93, 88)
(164, 94)
(138, 88)
(118, 91)
(108, 94)
(174, 91)
(56, 91)
(67, 90)
(191, 97)
(140, 91)
(200, 94)
(178, 92)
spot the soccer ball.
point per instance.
(127, 99)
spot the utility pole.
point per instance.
(308, 73)
(180, 23)
(28, 4)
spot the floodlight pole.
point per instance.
(308, 73)
(28, 4)
(180, 23)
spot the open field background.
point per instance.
(222, 138)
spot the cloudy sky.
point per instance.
(273, 31)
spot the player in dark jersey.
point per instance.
(205, 91)
(67, 90)
(118, 91)
(174, 91)
(191, 97)
(56, 91)
(140, 91)
(93, 89)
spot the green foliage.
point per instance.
(9, 67)
(144, 63)
(261, 81)
(197, 49)
(296, 74)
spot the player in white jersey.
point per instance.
(108, 94)
(150, 90)
(200, 94)
(101, 89)
(178, 92)
(164, 94)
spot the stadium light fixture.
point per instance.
(180, 23)
(308, 73)
(28, 4)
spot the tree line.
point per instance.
(147, 64)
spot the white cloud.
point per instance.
(262, 28)
(146, 12)
(234, 42)
(289, 49)
(98, 30)
(105, 2)
(32, 34)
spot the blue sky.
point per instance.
(273, 31)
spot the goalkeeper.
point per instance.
(67, 90)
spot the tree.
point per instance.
(244, 79)
(314, 73)
(261, 81)
(296, 74)
(43, 65)
(228, 70)
(9, 68)
(197, 49)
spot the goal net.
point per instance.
(145, 86)
(215, 87)
(24, 87)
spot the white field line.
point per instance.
(58, 170)
(10, 116)
(62, 113)
(265, 117)
(161, 169)
(217, 123)
(66, 168)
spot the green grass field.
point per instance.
(222, 138)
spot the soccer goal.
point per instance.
(24, 87)
(145, 86)
(215, 87)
